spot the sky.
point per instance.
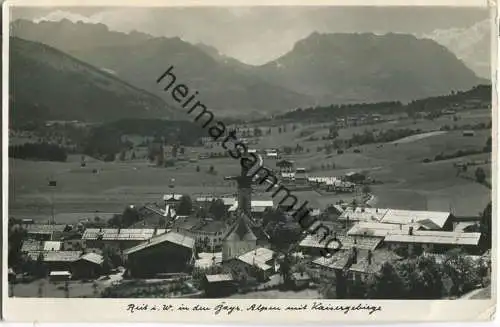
(256, 35)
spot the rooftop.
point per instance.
(44, 229)
(172, 196)
(427, 219)
(256, 204)
(378, 258)
(207, 260)
(338, 260)
(219, 278)
(125, 234)
(343, 242)
(435, 237)
(31, 245)
(175, 238)
(52, 246)
(258, 257)
(61, 256)
(395, 216)
(93, 257)
(363, 214)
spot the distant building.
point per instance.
(167, 253)
(285, 165)
(172, 199)
(468, 133)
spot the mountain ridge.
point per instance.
(320, 69)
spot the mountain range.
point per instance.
(471, 44)
(321, 69)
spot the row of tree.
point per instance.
(38, 151)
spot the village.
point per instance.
(245, 244)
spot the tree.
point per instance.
(133, 156)
(285, 268)
(129, 217)
(422, 278)
(257, 132)
(197, 169)
(185, 206)
(366, 189)
(218, 209)
(485, 228)
(480, 175)
(387, 284)
(462, 271)
(211, 170)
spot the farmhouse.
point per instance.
(88, 265)
(60, 260)
(258, 263)
(166, 253)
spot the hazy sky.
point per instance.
(258, 34)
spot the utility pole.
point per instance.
(52, 185)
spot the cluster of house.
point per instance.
(373, 235)
(164, 243)
(298, 176)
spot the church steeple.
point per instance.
(245, 190)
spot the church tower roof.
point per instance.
(241, 231)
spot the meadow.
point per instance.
(406, 182)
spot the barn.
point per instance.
(167, 253)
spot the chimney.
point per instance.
(410, 230)
(370, 255)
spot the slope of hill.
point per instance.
(222, 87)
(340, 68)
(45, 83)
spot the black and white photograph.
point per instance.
(250, 152)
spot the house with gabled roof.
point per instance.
(166, 253)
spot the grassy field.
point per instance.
(408, 183)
